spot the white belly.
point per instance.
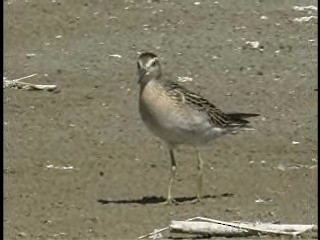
(173, 123)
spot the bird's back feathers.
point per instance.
(199, 103)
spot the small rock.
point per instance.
(30, 55)
(254, 44)
(22, 234)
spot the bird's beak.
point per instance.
(141, 73)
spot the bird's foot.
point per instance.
(196, 200)
(170, 201)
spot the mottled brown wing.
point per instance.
(215, 115)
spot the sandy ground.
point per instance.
(120, 170)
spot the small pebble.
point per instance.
(22, 234)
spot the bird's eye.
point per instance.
(153, 63)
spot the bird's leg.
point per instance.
(170, 199)
(200, 176)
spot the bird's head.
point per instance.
(148, 67)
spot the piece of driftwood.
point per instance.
(229, 229)
(158, 231)
(207, 226)
(17, 83)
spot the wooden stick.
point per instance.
(154, 233)
(216, 227)
(35, 86)
(207, 226)
(29, 76)
(163, 229)
(17, 83)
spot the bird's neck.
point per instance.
(145, 80)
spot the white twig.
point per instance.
(162, 229)
(305, 19)
(231, 228)
(17, 83)
(217, 227)
(154, 233)
(304, 8)
(10, 83)
(29, 76)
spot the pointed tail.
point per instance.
(240, 117)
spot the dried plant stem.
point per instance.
(18, 84)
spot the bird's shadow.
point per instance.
(156, 199)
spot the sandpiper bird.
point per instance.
(179, 116)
